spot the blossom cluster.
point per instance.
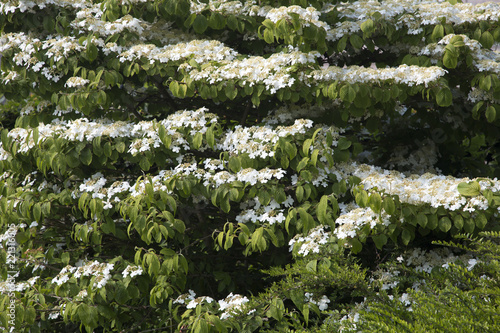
(404, 74)
(312, 242)
(322, 303)
(275, 72)
(350, 223)
(259, 141)
(201, 51)
(483, 59)
(229, 305)
(145, 133)
(308, 15)
(435, 190)
(253, 211)
(409, 14)
(95, 185)
(100, 272)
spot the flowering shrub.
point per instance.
(215, 166)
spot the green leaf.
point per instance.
(234, 164)
(86, 156)
(217, 21)
(485, 83)
(444, 97)
(438, 32)
(231, 91)
(355, 245)
(389, 205)
(450, 60)
(445, 224)
(406, 236)
(91, 52)
(268, 36)
(210, 137)
(312, 266)
(37, 212)
(375, 202)
(481, 221)
(343, 143)
(379, 240)
(491, 113)
(367, 27)
(299, 193)
(200, 24)
(321, 209)
(470, 189)
(197, 140)
(487, 40)
(120, 147)
(362, 198)
(65, 258)
(347, 93)
(303, 163)
(356, 41)
(342, 43)
(469, 225)
(422, 219)
(458, 222)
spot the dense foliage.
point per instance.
(216, 166)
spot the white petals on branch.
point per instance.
(312, 242)
(308, 15)
(404, 74)
(409, 14)
(274, 72)
(200, 50)
(99, 272)
(349, 224)
(76, 82)
(435, 190)
(259, 141)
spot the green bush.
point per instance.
(216, 166)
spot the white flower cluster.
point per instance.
(350, 223)
(484, 60)
(253, 211)
(435, 190)
(201, 51)
(422, 261)
(96, 270)
(274, 72)
(308, 15)
(425, 261)
(76, 82)
(9, 286)
(132, 271)
(259, 141)
(191, 301)
(409, 14)
(322, 303)
(312, 242)
(54, 48)
(230, 305)
(118, 189)
(404, 74)
(146, 132)
(11, 6)
(476, 95)
(216, 179)
(222, 6)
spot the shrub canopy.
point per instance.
(175, 165)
